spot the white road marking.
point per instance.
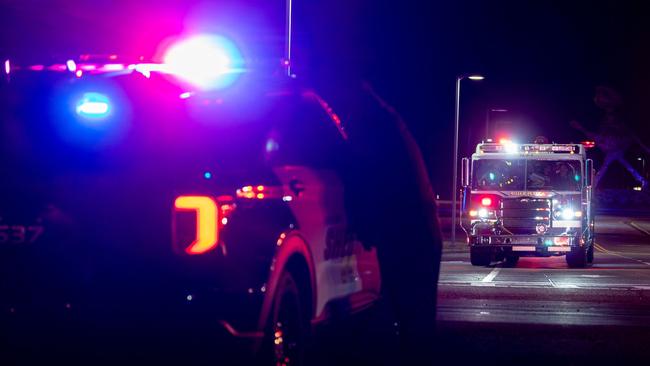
(594, 276)
(551, 282)
(491, 275)
(560, 285)
(548, 284)
(483, 284)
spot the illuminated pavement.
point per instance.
(543, 308)
(540, 312)
(615, 290)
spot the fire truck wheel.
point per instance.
(480, 257)
(511, 260)
(590, 254)
(577, 258)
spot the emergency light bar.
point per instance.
(205, 61)
(510, 148)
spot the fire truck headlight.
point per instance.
(568, 214)
(510, 147)
(483, 213)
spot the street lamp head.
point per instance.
(476, 77)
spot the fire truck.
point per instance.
(528, 200)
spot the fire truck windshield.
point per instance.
(527, 174)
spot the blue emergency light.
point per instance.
(93, 105)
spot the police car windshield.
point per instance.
(526, 174)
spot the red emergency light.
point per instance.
(588, 144)
(483, 206)
(486, 201)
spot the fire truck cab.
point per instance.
(528, 200)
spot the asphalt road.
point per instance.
(541, 310)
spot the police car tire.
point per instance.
(288, 318)
(479, 257)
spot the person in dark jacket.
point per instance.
(392, 207)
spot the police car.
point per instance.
(141, 211)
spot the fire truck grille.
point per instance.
(522, 215)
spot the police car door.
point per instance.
(311, 147)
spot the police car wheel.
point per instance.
(289, 328)
(479, 257)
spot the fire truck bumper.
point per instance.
(526, 245)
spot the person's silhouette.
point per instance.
(392, 207)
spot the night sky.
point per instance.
(541, 60)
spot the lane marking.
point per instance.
(484, 284)
(491, 275)
(619, 255)
(634, 225)
(547, 284)
(595, 276)
(553, 284)
(600, 248)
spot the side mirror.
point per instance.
(589, 172)
(464, 199)
(464, 172)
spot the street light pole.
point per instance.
(455, 173)
(454, 192)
